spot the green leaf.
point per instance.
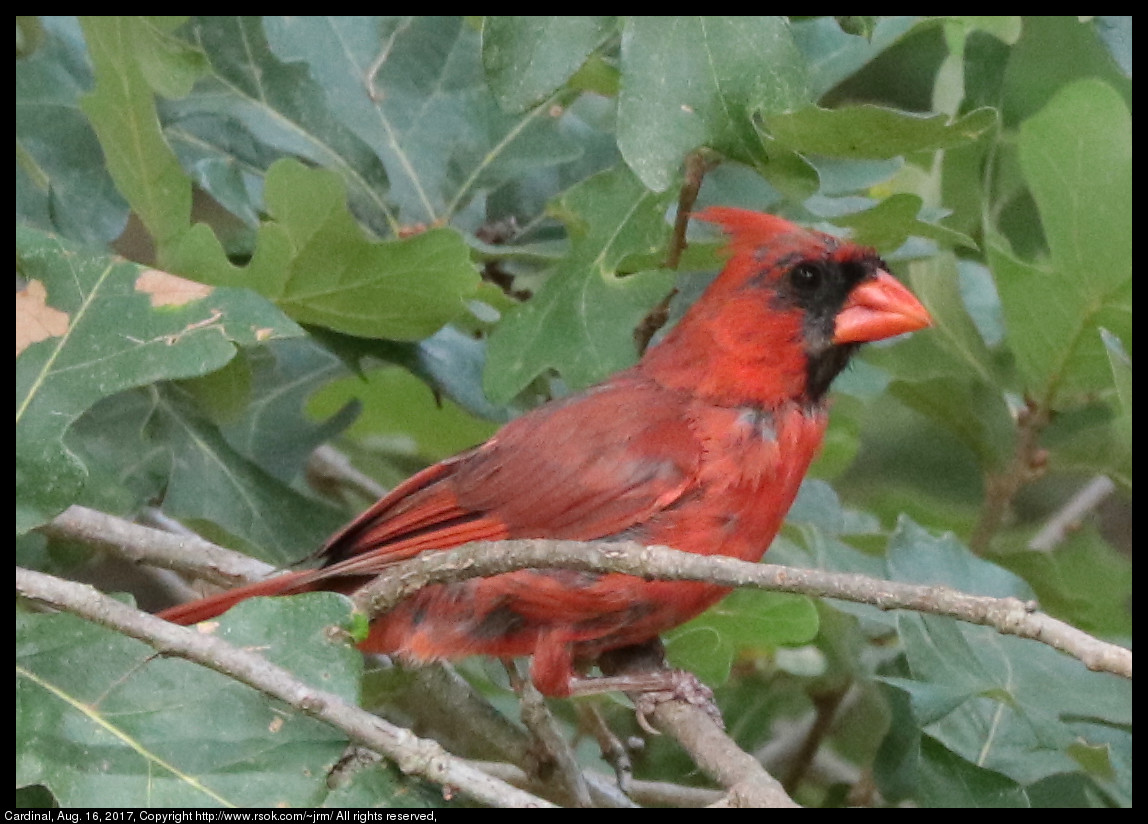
(127, 54)
(273, 429)
(835, 54)
(159, 731)
(403, 410)
(450, 362)
(890, 223)
(126, 470)
(211, 482)
(169, 65)
(948, 781)
(873, 132)
(974, 411)
(1076, 154)
(313, 260)
(581, 321)
(689, 82)
(953, 345)
(252, 108)
(224, 394)
(412, 89)
(1069, 791)
(860, 25)
(745, 620)
(62, 182)
(1053, 329)
(818, 505)
(1025, 705)
(1005, 28)
(947, 372)
(528, 58)
(1000, 702)
(89, 326)
(1037, 69)
(917, 557)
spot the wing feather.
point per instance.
(586, 468)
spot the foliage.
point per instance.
(427, 224)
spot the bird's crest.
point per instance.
(748, 231)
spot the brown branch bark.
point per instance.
(1029, 461)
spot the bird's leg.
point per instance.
(639, 669)
(642, 669)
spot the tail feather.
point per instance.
(214, 605)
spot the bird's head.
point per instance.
(786, 312)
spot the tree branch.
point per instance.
(413, 755)
(746, 781)
(697, 164)
(1029, 461)
(1009, 616)
(555, 755)
(706, 742)
(157, 547)
(1068, 517)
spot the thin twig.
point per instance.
(1029, 461)
(697, 164)
(613, 751)
(1069, 516)
(555, 758)
(327, 467)
(825, 711)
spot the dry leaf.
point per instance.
(170, 290)
(35, 319)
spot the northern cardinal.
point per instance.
(700, 446)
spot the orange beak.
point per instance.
(879, 308)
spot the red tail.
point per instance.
(215, 605)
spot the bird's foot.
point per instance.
(681, 686)
(649, 689)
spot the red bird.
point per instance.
(700, 446)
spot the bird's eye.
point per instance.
(806, 277)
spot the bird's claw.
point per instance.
(683, 686)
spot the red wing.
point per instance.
(582, 469)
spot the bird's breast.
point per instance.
(752, 464)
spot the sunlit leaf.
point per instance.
(313, 260)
